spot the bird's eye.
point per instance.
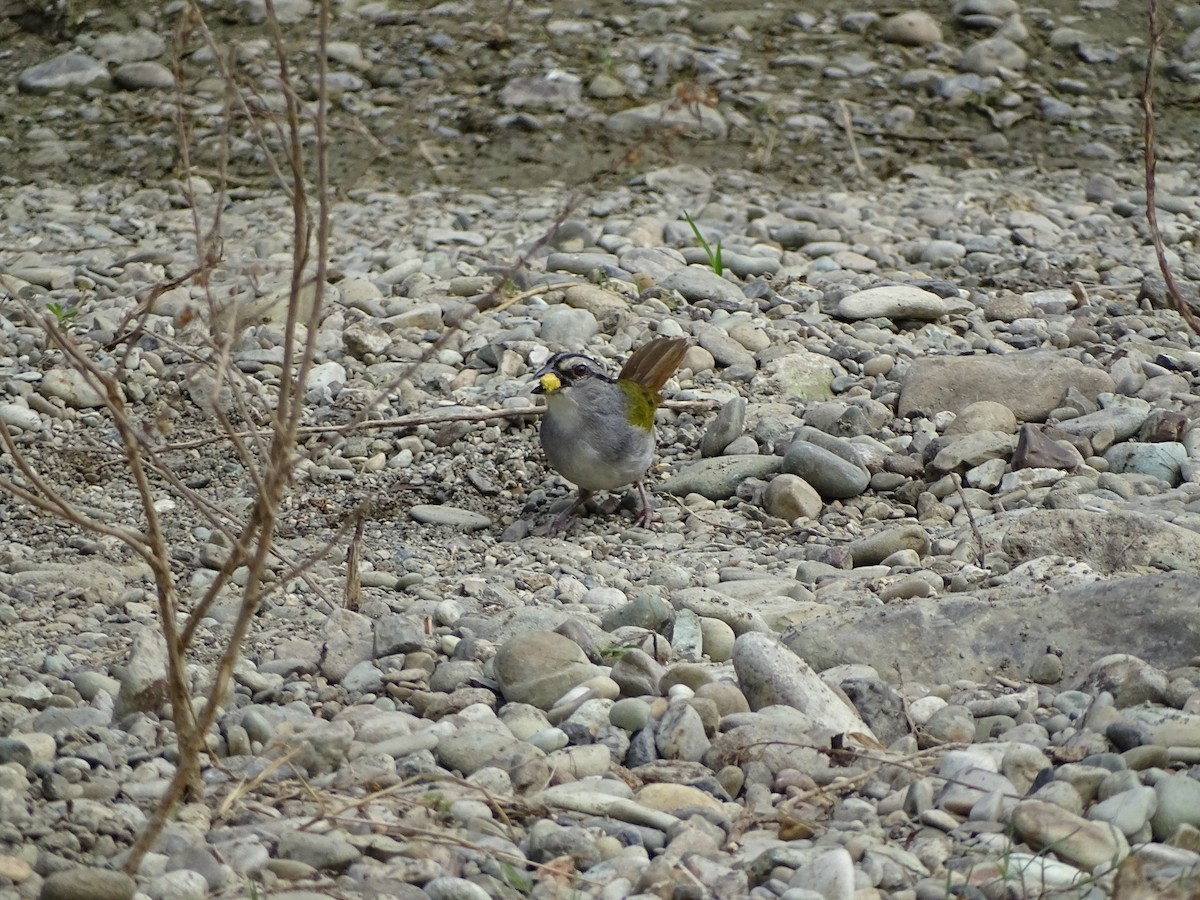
(579, 371)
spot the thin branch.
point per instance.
(1157, 30)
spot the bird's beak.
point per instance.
(548, 384)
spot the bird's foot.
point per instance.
(648, 516)
(563, 521)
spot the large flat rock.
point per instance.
(1109, 542)
(1030, 383)
(941, 639)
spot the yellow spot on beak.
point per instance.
(550, 383)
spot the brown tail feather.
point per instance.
(652, 364)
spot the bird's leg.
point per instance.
(647, 516)
(563, 520)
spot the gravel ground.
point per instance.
(919, 618)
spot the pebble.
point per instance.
(960, 443)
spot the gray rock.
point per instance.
(657, 262)
(70, 71)
(680, 734)
(1159, 460)
(1124, 419)
(87, 883)
(541, 93)
(718, 478)
(697, 283)
(970, 450)
(349, 640)
(800, 376)
(985, 415)
(958, 636)
(915, 28)
(446, 887)
(694, 120)
(321, 747)
(144, 677)
(790, 497)
(637, 673)
(832, 476)
(892, 301)
(567, 327)
(724, 349)
(993, 55)
(722, 430)
(539, 667)
(449, 516)
(72, 387)
(1178, 805)
(875, 548)
(143, 76)
(182, 884)
(1109, 542)
(770, 674)
(1129, 811)
(1030, 383)
(287, 12)
(329, 851)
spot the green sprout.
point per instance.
(63, 315)
(713, 253)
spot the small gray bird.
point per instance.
(598, 432)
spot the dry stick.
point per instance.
(276, 473)
(1151, 157)
(353, 595)
(848, 125)
(433, 418)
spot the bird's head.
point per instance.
(564, 371)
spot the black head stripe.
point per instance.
(564, 365)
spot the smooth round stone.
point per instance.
(71, 71)
(549, 739)
(1178, 804)
(666, 797)
(1073, 838)
(1047, 669)
(680, 733)
(539, 667)
(991, 55)
(1159, 460)
(895, 301)
(941, 253)
(182, 884)
(879, 365)
(142, 76)
(696, 284)
(565, 326)
(875, 548)
(952, 725)
(21, 416)
(451, 516)
(716, 639)
(718, 478)
(87, 883)
(1129, 811)
(829, 875)
(915, 28)
(630, 714)
(726, 695)
(769, 674)
(833, 477)
(790, 497)
(448, 888)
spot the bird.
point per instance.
(598, 432)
